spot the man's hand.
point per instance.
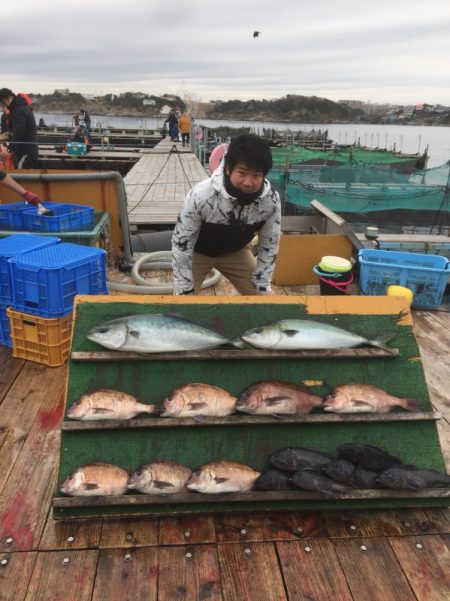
(32, 198)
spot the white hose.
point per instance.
(160, 259)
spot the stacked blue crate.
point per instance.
(46, 281)
(14, 246)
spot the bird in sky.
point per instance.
(256, 34)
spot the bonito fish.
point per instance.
(274, 397)
(362, 398)
(198, 399)
(222, 476)
(96, 479)
(160, 478)
(155, 333)
(296, 334)
(107, 404)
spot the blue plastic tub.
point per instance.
(425, 275)
(13, 246)
(45, 281)
(67, 217)
(11, 215)
(5, 331)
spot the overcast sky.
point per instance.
(384, 51)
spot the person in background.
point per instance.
(172, 120)
(221, 215)
(29, 197)
(85, 117)
(23, 135)
(184, 125)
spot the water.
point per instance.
(407, 138)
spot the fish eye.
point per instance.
(258, 331)
(102, 330)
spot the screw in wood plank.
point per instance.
(248, 551)
(187, 533)
(70, 539)
(9, 540)
(299, 529)
(188, 555)
(65, 561)
(419, 546)
(352, 527)
(127, 557)
(129, 536)
(407, 524)
(4, 562)
(308, 549)
(363, 548)
(243, 531)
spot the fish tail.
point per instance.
(381, 341)
(412, 405)
(238, 343)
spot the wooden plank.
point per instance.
(426, 563)
(54, 578)
(189, 573)
(187, 530)
(378, 576)
(446, 539)
(15, 575)
(28, 400)
(425, 521)
(241, 420)
(10, 370)
(126, 574)
(124, 533)
(353, 524)
(241, 527)
(70, 534)
(341, 353)
(251, 571)
(311, 570)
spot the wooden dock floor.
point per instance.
(377, 555)
(157, 185)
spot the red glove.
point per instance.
(31, 198)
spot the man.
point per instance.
(221, 215)
(29, 197)
(23, 136)
(184, 125)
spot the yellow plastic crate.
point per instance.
(40, 339)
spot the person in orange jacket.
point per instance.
(184, 125)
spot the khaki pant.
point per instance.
(236, 266)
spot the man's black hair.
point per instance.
(6, 93)
(251, 150)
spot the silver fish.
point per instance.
(107, 404)
(296, 334)
(96, 479)
(223, 476)
(199, 399)
(161, 477)
(155, 333)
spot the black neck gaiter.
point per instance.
(243, 198)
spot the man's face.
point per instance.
(6, 101)
(245, 179)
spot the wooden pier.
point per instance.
(158, 183)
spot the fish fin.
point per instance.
(199, 418)
(161, 484)
(90, 486)
(198, 405)
(134, 333)
(218, 480)
(239, 343)
(413, 405)
(277, 416)
(274, 400)
(381, 341)
(290, 333)
(99, 410)
(361, 403)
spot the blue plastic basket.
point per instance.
(67, 217)
(11, 215)
(45, 281)
(13, 246)
(5, 331)
(425, 275)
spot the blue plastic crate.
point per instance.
(67, 217)
(45, 281)
(11, 215)
(5, 331)
(13, 246)
(425, 275)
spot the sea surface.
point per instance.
(406, 138)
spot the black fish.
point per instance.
(364, 478)
(340, 470)
(272, 480)
(297, 458)
(412, 478)
(367, 456)
(309, 480)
